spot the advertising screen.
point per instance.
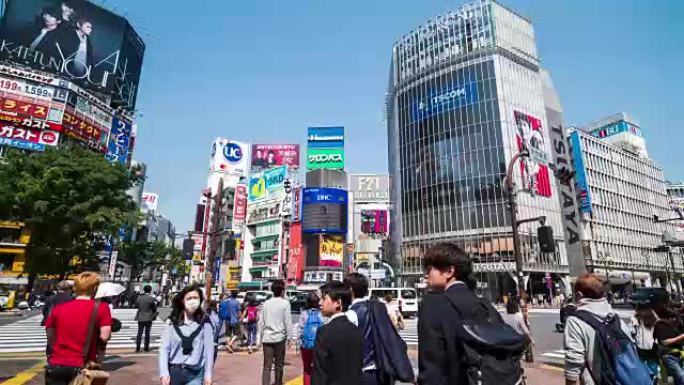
(374, 222)
(119, 141)
(268, 184)
(331, 251)
(324, 211)
(325, 158)
(230, 157)
(534, 169)
(325, 137)
(265, 156)
(77, 41)
(447, 98)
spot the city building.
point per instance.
(464, 97)
(369, 210)
(14, 238)
(620, 190)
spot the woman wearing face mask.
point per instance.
(186, 355)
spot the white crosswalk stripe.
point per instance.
(554, 356)
(410, 332)
(28, 336)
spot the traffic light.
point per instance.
(546, 241)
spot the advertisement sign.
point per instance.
(23, 88)
(325, 137)
(583, 190)
(615, 128)
(326, 158)
(150, 201)
(331, 251)
(370, 188)
(533, 169)
(265, 156)
(374, 223)
(50, 138)
(324, 211)
(75, 40)
(324, 195)
(119, 140)
(286, 204)
(322, 276)
(268, 184)
(446, 98)
(240, 207)
(22, 144)
(30, 112)
(230, 157)
(262, 212)
(296, 260)
(297, 204)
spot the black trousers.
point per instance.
(273, 353)
(146, 327)
(370, 378)
(60, 375)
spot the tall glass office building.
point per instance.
(465, 95)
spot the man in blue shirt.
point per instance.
(229, 312)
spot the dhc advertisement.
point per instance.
(324, 211)
(580, 174)
(445, 99)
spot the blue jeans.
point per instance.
(674, 368)
(251, 333)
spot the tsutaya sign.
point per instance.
(493, 267)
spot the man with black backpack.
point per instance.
(462, 338)
(598, 349)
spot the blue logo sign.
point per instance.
(324, 195)
(22, 144)
(580, 174)
(326, 137)
(119, 141)
(444, 99)
(232, 152)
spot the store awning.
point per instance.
(251, 285)
(265, 238)
(264, 253)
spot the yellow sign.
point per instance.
(331, 251)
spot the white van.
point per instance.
(407, 297)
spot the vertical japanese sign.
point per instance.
(119, 141)
(240, 207)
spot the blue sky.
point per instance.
(264, 70)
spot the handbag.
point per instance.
(92, 372)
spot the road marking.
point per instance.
(551, 367)
(23, 377)
(297, 381)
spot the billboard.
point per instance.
(268, 184)
(324, 211)
(325, 137)
(240, 207)
(374, 223)
(30, 112)
(119, 141)
(534, 169)
(615, 128)
(297, 204)
(230, 157)
(296, 261)
(150, 201)
(286, 204)
(263, 212)
(446, 98)
(40, 137)
(265, 156)
(325, 158)
(331, 251)
(370, 188)
(78, 41)
(583, 190)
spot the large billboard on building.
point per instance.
(325, 158)
(268, 184)
(230, 157)
(78, 41)
(265, 156)
(530, 136)
(369, 188)
(324, 211)
(119, 142)
(581, 182)
(331, 251)
(615, 128)
(374, 223)
(325, 137)
(263, 212)
(444, 98)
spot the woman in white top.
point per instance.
(394, 312)
(515, 319)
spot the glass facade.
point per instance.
(458, 87)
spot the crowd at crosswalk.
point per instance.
(27, 335)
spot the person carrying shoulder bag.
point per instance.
(74, 330)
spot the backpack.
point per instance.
(224, 311)
(492, 350)
(620, 362)
(391, 360)
(252, 314)
(313, 322)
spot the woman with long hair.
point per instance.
(186, 355)
(310, 320)
(212, 314)
(250, 317)
(642, 325)
(514, 317)
(669, 332)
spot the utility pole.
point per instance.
(213, 231)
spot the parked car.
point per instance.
(648, 296)
(407, 297)
(297, 300)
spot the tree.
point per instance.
(141, 256)
(71, 199)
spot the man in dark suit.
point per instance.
(147, 313)
(448, 275)
(339, 343)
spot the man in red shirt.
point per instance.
(67, 329)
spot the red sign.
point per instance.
(84, 129)
(240, 206)
(265, 156)
(27, 114)
(49, 138)
(295, 267)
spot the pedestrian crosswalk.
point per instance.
(554, 356)
(28, 335)
(410, 332)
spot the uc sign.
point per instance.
(232, 152)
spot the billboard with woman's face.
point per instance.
(77, 41)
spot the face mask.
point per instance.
(192, 304)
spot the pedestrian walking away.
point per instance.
(274, 329)
(186, 355)
(380, 337)
(250, 316)
(212, 313)
(146, 314)
(310, 320)
(338, 350)
(63, 294)
(67, 331)
(514, 317)
(642, 326)
(229, 311)
(669, 333)
(462, 338)
(596, 341)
